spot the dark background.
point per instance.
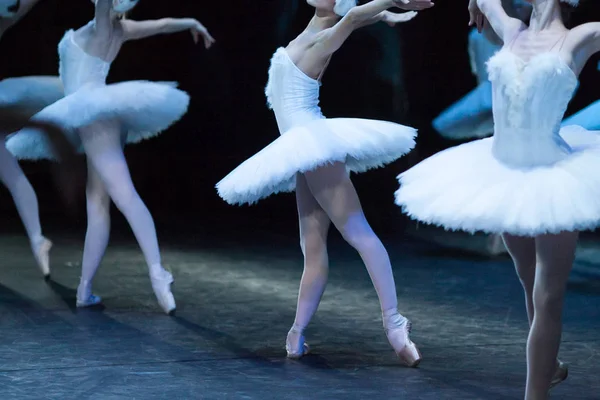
(407, 74)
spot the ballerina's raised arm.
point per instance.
(330, 40)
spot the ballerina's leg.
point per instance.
(555, 257)
(103, 146)
(97, 235)
(25, 200)
(522, 252)
(314, 227)
(332, 188)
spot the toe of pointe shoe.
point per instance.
(42, 257)
(91, 301)
(298, 355)
(410, 355)
(561, 374)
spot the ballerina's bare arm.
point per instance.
(585, 42)
(390, 18)
(25, 7)
(330, 40)
(134, 30)
(492, 11)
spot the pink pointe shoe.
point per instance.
(561, 373)
(41, 252)
(397, 330)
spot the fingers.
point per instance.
(407, 16)
(195, 36)
(208, 40)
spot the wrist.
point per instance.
(189, 23)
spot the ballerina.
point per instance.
(313, 155)
(532, 182)
(27, 95)
(471, 116)
(101, 119)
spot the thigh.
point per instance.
(95, 188)
(521, 249)
(555, 254)
(102, 145)
(9, 165)
(312, 217)
(333, 190)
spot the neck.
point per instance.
(545, 15)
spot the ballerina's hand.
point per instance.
(413, 5)
(476, 17)
(200, 30)
(396, 18)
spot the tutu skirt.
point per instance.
(30, 94)
(361, 144)
(467, 188)
(144, 109)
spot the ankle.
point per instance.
(392, 319)
(297, 329)
(157, 270)
(84, 288)
(37, 241)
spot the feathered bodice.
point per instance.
(291, 94)
(529, 102)
(77, 68)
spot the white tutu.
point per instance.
(467, 188)
(143, 108)
(30, 94)
(361, 143)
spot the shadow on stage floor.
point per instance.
(236, 293)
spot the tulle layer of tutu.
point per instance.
(361, 143)
(144, 109)
(466, 188)
(30, 94)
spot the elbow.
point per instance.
(353, 18)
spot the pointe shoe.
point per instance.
(398, 333)
(41, 253)
(161, 284)
(561, 373)
(85, 298)
(295, 346)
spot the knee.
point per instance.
(313, 245)
(124, 196)
(526, 273)
(98, 208)
(358, 233)
(548, 299)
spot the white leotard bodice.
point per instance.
(529, 102)
(291, 94)
(77, 68)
